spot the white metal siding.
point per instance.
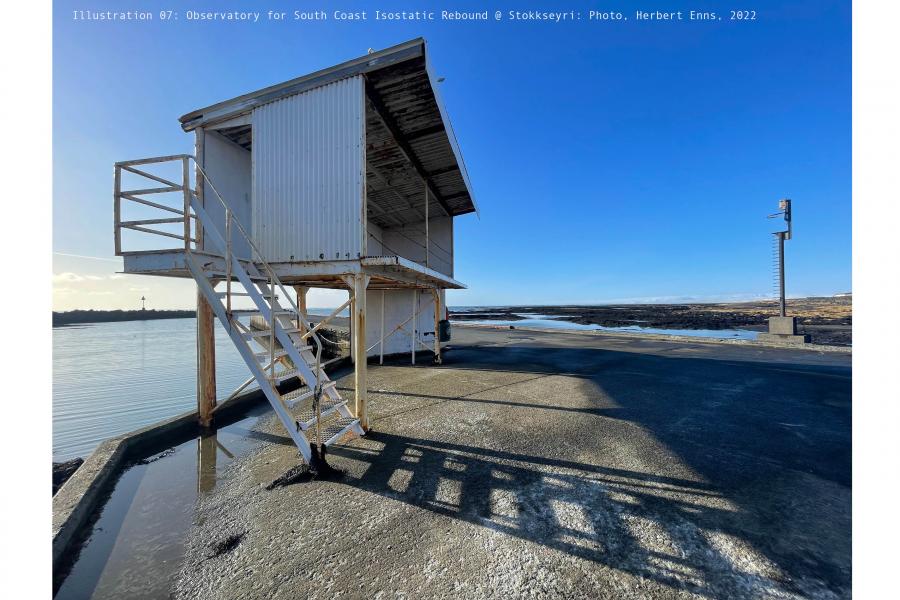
(228, 167)
(398, 306)
(409, 242)
(308, 174)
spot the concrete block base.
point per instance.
(783, 325)
(781, 338)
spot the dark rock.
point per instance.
(63, 470)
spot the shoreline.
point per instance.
(86, 317)
(664, 337)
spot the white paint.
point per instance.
(228, 166)
(397, 309)
(409, 242)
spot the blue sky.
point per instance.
(611, 161)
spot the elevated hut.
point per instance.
(346, 178)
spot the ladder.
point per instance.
(314, 413)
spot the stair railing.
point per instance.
(260, 260)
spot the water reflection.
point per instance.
(135, 545)
(208, 448)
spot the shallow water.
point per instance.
(547, 322)
(112, 378)
(136, 545)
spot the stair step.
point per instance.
(306, 417)
(299, 395)
(277, 313)
(333, 431)
(267, 355)
(267, 332)
(283, 376)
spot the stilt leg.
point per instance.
(206, 361)
(436, 294)
(359, 344)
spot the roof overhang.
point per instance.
(410, 139)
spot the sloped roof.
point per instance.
(409, 137)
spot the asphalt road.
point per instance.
(555, 465)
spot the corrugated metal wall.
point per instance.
(308, 174)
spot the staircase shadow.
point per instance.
(583, 510)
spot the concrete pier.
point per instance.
(556, 465)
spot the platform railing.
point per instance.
(185, 216)
(137, 196)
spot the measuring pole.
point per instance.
(781, 273)
(785, 212)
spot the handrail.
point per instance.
(229, 217)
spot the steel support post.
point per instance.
(381, 348)
(413, 324)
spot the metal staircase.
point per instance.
(314, 413)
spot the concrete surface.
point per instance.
(555, 465)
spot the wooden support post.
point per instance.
(206, 361)
(352, 322)
(436, 294)
(301, 305)
(360, 282)
(207, 451)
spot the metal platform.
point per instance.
(385, 272)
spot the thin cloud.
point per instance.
(87, 257)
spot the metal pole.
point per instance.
(186, 190)
(427, 244)
(412, 328)
(781, 273)
(381, 350)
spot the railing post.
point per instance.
(117, 209)
(272, 325)
(228, 259)
(186, 185)
(199, 144)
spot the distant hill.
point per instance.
(106, 316)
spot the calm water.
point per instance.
(112, 378)
(555, 322)
(135, 546)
